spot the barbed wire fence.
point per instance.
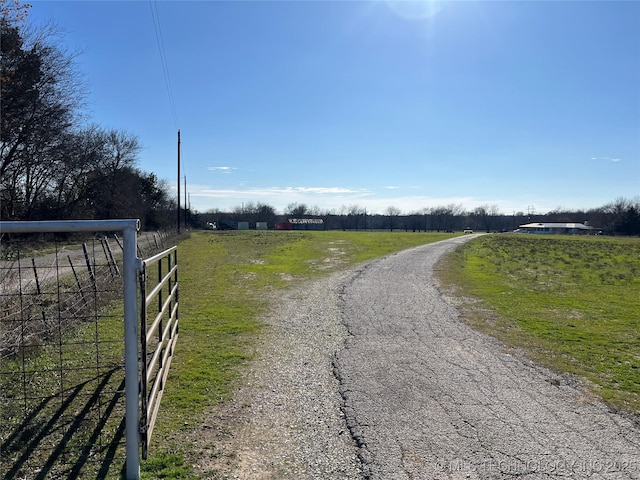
(62, 357)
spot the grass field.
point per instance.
(572, 303)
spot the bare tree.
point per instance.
(40, 99)
(623, 216)
(14, 11)
(392, 213)
(265, 213)
(357, 217)
(113, 189)
(314, 210)
(296, 209)
(486, 215)
(76, 175)
(443, 217)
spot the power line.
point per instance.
(167, 80)
(163, 59)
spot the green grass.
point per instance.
(225, 279)
(72, 402)
(572, 303)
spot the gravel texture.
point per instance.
(286, 418)
(370, 374)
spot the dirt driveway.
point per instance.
(370, 374)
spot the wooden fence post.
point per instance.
(91, 273)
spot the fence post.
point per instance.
(86, 259)
(75, 275)
(131, 265)
(113, 261)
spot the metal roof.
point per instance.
(552, 225)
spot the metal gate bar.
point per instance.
(157, 340)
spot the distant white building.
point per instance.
(557, 228)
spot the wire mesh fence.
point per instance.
(62, 357)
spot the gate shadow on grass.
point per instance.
(84, 445)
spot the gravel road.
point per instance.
(369, 374)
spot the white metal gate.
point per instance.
(158, 334)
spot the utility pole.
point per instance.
(185, 201)
(178, 182)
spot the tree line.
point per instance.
(53, 163)
(620, 217)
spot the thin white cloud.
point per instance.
(410, 187)
(221, 169)
(207, 191)
(607, 159)
(324, 190)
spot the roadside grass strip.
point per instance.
(571, 303)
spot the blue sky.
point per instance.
(409, 104)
